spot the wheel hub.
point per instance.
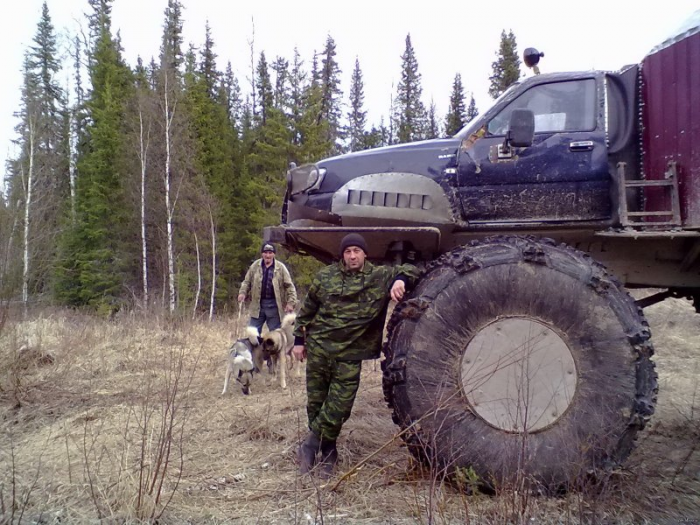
(518, 374)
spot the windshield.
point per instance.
(556, 106)
(472, 126)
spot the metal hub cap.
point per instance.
(518, 374)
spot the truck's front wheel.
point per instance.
(522, 360)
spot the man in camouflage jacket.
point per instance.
(341, 323)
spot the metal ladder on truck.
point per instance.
(636, 219)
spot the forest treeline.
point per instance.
(149, 184)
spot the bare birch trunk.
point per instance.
(27, 205)
(168, 207)
(199, 277)
(73, 154)
(143, 148)
(13, 231)
(213, 266)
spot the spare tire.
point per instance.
(522, 360)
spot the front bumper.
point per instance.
(323, 242)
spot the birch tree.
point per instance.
(171, 60)
(144, 112)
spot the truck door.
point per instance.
(562, 176)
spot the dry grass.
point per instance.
(83, 402)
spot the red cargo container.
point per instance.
(671, 120)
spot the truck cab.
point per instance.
(541, 158)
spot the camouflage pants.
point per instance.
(331, 387)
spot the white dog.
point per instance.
(240, 360)
(276, 347)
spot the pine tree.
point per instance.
(357, 116)
(409, 112)
(506, 68)
(456, 113)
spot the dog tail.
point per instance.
(251, 333)
(288, 320)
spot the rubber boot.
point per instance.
(307, 453)
(329, 458)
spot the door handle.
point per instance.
(581, 145)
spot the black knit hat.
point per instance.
(267, 247)
(353, 239)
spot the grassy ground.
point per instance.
(123, 421)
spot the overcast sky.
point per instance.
(448, 37)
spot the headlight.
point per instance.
(305, 178)
(312, 178)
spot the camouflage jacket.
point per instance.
(344, 311)
(285, 292)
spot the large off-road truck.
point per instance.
(520, 352)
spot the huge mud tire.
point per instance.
(593, 361)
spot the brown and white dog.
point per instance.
(276, 348)
(240, 360)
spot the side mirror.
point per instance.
(521, 131)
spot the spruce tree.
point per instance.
(313, 129)
(208, 72)
(231, 99)
(357, 116)
(171, 55)
(297, 87)
(409, 115)
(506, 67)
(41, 171)
(222, 186)
(281, 89)
(331, 94)
(456, 113)
(265, 94)
(271, 149)
(472, 111)
(99, 255)
(432, 126)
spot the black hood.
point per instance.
(428, 157)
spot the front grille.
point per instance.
(412, 201)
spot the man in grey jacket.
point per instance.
(269, 288)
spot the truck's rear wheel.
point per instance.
(523, 360)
